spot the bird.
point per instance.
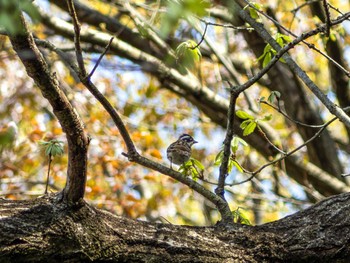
(179, 151)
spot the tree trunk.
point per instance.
(47, 230)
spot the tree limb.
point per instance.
(71, 124)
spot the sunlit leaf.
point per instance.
(187, 54)
(267, 59)
(250, 128)
(267, 117)
(236, 141)
(239, 217)
(245, 123)
(237, 165)
(218, 158)
(243, 115)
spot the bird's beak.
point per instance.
(195, 142)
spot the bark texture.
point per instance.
(46, 230)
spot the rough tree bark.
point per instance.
(56, 229)
(46, 230)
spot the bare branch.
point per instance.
(78, 50)
(328, 17)
(100, 58)
(288, 117)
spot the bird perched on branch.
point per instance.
(179, 152)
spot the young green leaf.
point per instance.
(245, 123)
(267, 59)
(267, 117)
(218, 158)
(274, 95)
(238, 166)
(239, 217)
(187, 54)
(197, 163)
(243, 115)
(250, 128)
(235, 143)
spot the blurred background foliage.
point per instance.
(155, 117)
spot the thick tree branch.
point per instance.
(46, 230)
(70, 122)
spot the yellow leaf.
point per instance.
(156, 153)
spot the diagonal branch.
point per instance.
(264, 34)
(134, 156)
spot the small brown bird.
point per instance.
(179, 152)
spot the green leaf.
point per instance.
(253, 13)
(53, 147)
(48, 150)
(249, 129)
(176, 10)
(274, 95)
(287, 39)
(267, 49)
(267, 117)
(187, 54)
(240, 217)
(245, 123)
(239, 168)
(218, 158)
(235, 143)
(267, 59)
(230, 165)
(197, 163)
(280, 41)
(243, 115)
(193, 168)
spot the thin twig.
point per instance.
(268, 140)
(311, 46)
(78, 49)
(225, 26)
(253, 174)
(100, 58)
(203, 36)
(48, 173)
(289, 118)
(304, 4)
